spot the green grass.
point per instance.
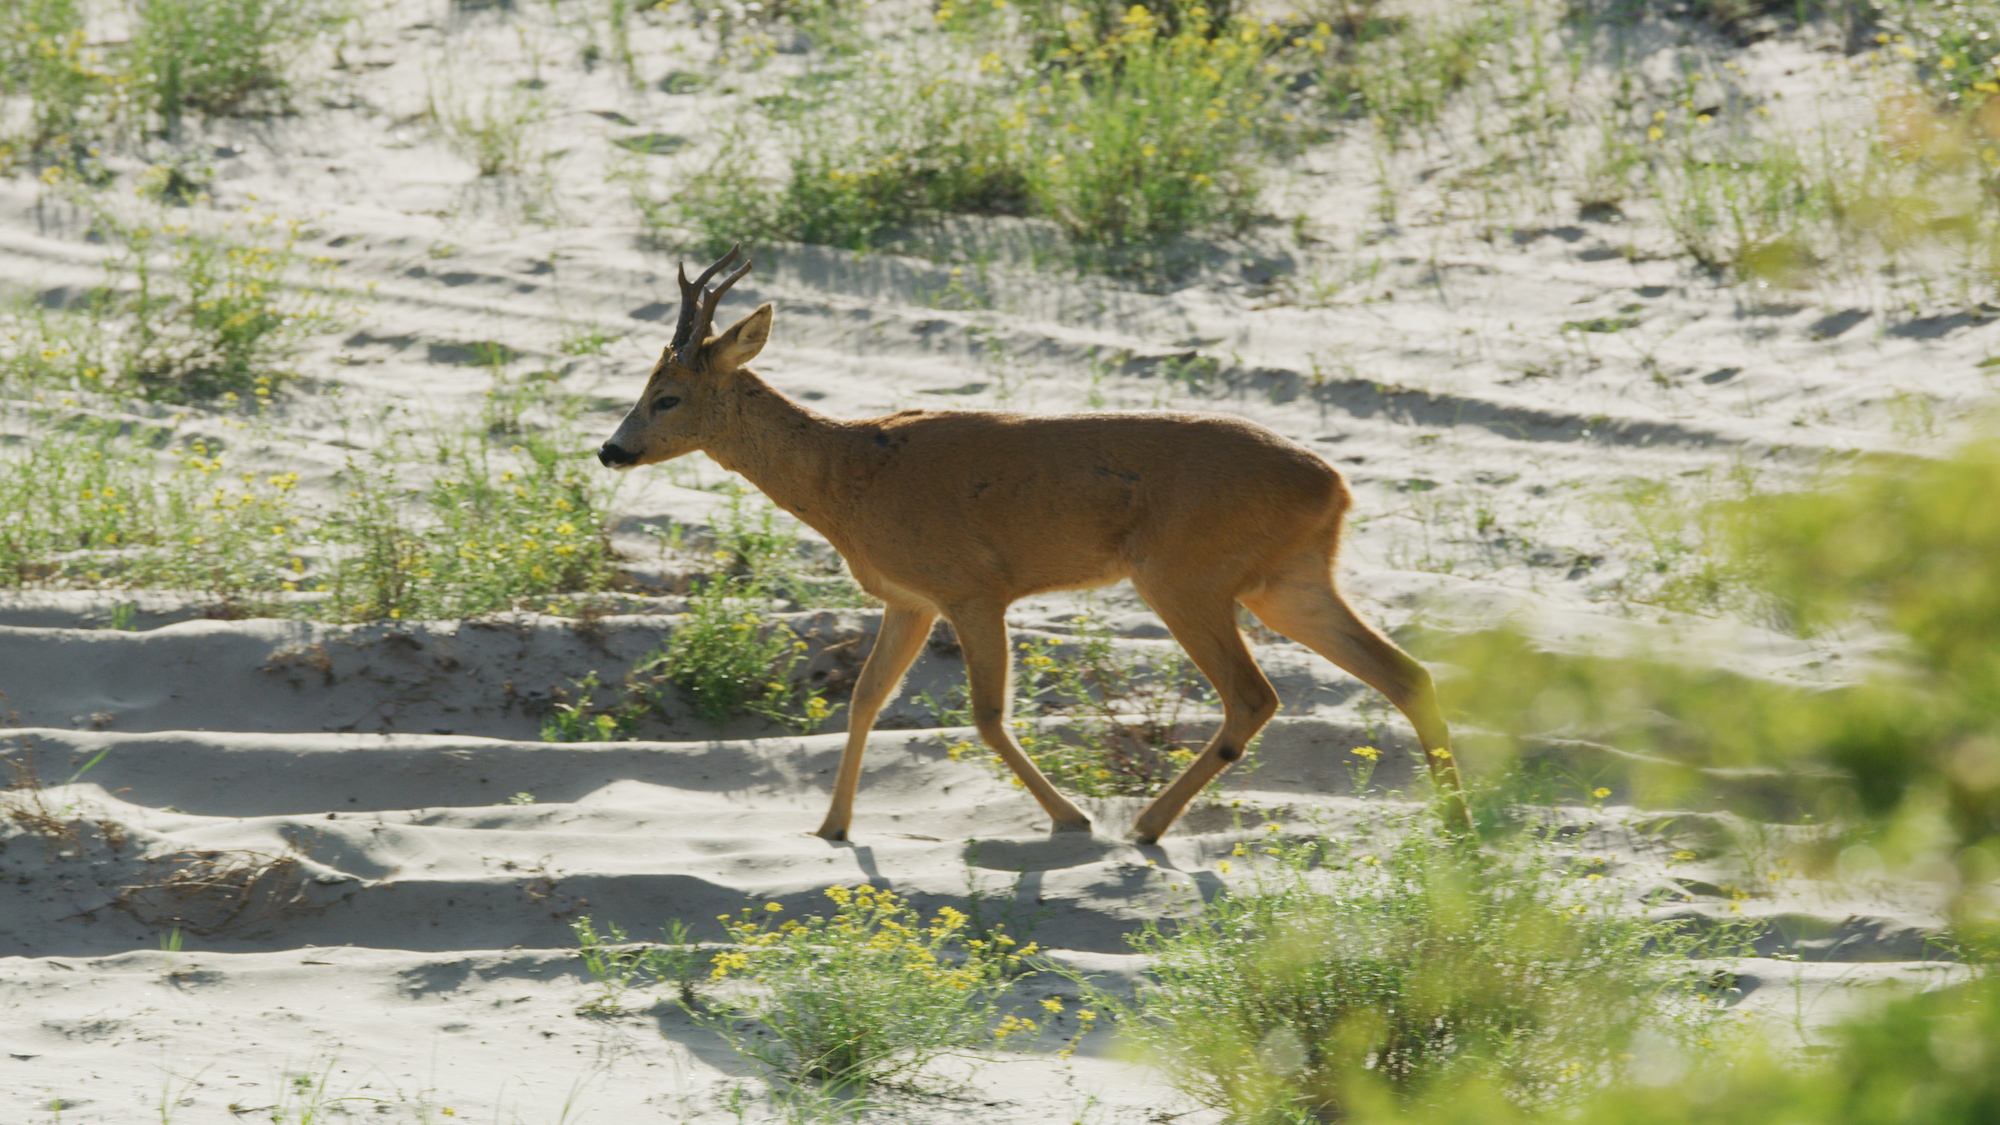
(92, 504)
(1682, 559)
(1385, 962)
(753, 542)
(206, 58)
(74, 93)
(192, 306)
(496, 130)
(869, 995)
(727, 657)
(1144, 134)
(216, 57)
(85, 503)
(1151, 131)
(495, 528)
(1400, 74)
(617, 966)
(1899, 755)
(868, 147)
(1914, 1059)
(1951, 46)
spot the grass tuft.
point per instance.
(191, 307)
(215, 57)
(1381, 970)
(865, 996)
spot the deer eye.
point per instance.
(665, 402)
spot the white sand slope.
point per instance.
(323, 813)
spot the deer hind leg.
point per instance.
(1206, 628)
(1302, 604)
(989, 666)
(897, 643)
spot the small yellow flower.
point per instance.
(773, 907)
(1600, 793)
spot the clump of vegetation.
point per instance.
(1684, 562)
(496, 131)
(497, 528)
(74, 94)
(866, 151)
(1902, 755)
(191, 308)
(1399, 74)
(868, 995)
(753, 543)
(1951, 45)
(730, 654)
(1148, 131)
(82, 502)
(617, 966)
(207, 57)
(577, 717)
(728, 657)
(1912, 1060)
(1390, 965)
(1906, 546)
(1128, 132)
(216, 57)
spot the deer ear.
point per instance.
(740, 342)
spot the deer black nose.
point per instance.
(612, 455)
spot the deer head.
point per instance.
(684, 403)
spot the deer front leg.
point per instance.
(897, 643)
(989, 667)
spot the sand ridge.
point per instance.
(416, 854)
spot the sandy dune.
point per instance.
(398, 928)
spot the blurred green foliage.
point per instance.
(1383, 964)
(1929, 1059)
(1904, 758)
(1903, 547)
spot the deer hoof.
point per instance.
(1072, 826)
(833, 835)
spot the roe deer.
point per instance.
(961, 512)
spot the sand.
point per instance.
(410, 951)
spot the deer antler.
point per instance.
(698, 302)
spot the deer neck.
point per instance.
(793, 455)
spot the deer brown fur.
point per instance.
(960, 513)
